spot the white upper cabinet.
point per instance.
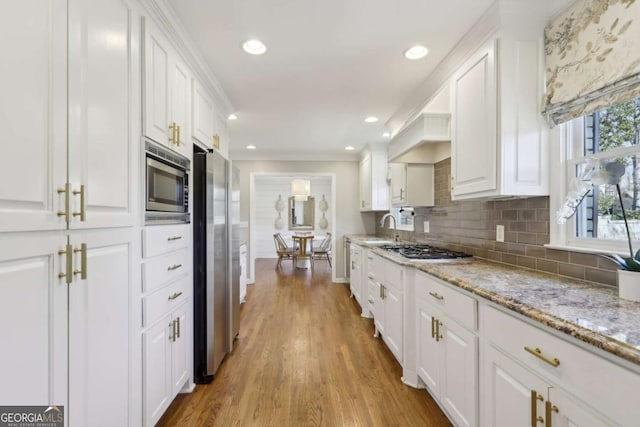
(412, 184)
(498, 136)
(374, 190)
(33, 115)
(203, 112)
(167, 92)
(103, 112)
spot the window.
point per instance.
(404, 218)
(608, 135)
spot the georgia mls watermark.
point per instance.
(31, 416)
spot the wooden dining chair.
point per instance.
(323, 251)
(282, 249)
(303, 250)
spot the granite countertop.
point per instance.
(588, 311)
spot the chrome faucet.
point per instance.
(390, 215)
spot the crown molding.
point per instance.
(165, 18)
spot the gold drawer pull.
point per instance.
(371, 301)
(371, 276)
(436, 295)
(174, 296)
(538, 353)
(171, 239)
(174, 267)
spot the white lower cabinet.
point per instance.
(389, 305)
(514, 396)
(99, 328)
(447, 356)
(355, 276)
(165, 354)
(166, 346)
(33, 312)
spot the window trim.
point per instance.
(399, 226)
(562, 163)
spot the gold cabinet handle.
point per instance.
(172, 333)
(81, 214)
(174, 267)
(178, 131)
(401, 194)
(538, 353)
(174, 296)
(178, 323)
(535, 419)
(352, 267)
(68, 264)
(381, 291)
(173, 238)
(436, 295)
(83, 261)
(216, 141)
(370, 258)
(549, 408)
(438, 324)
(371, 301)
(433, 327)
(173, 128)
(363, 203)
(370, 276)
(67, 211)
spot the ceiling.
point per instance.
(329, 64)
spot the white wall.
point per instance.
(349, 220)
(266, 191)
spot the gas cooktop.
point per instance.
(427, 253)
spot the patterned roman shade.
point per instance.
(593, 58)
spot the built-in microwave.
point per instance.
(166, 186)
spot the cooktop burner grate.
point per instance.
(425, 252)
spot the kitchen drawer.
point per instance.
(160, 239)
(165, 268)
(164, 300)
(458, 306)
(606, 386)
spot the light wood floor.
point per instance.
(304, 357)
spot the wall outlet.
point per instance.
(500, 233)
(425, 226)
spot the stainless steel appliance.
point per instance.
(234, 257)
(213, 290)
(427, 253)
(167, 185)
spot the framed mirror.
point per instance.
(301, 214)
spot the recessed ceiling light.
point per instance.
(251, 147)
(349, 148)
(233, 116)
(416, 52)
(386, 134)
(254, 47)
(371, 119)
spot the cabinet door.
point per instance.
(473, 124)
(180, 100)
(394, 321)
(428, 357)
(180, 350)
(398, 183)
(33, 114)
(378, 307)
(565, 411)
(356, 281)
(103, 119)
(203, 115)
(156, 112)
(156, 383)
(460, 374)
(507, 395)
(33, 312)
(365, 183)
(99, 328)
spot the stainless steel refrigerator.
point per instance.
(215, 311)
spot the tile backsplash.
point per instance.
(470, 226)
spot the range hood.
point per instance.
(427, 139)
